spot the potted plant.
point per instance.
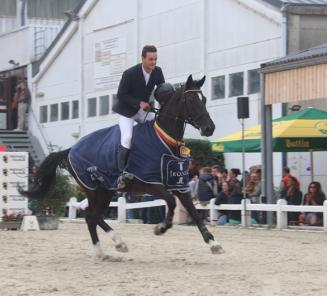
(53, 205)
(11, 222)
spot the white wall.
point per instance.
(214, 37)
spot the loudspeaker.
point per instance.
(243, 107)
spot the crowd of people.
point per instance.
(226, 187)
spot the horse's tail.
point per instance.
(45, 175)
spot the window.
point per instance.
(92, 107)
(218, 87)
(253, 81)
(104, 105)
(54, 112)
(75, 109)
(114, 101)
(236, 85)
(64, 111)
(43, 114)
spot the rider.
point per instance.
(135, 88)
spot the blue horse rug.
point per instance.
(94, 159)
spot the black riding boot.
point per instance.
(124, 178)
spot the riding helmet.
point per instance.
(163, 92)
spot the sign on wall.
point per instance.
(14, 173)
(109, 62)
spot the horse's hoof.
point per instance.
(216, 248)
(122, 247)
(159, 230)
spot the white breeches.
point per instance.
(126, 126)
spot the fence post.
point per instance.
(325, 215)
(213, 214)
(281, 215)
(246, 215)
(71, 208)
(121, 209)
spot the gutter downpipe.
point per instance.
(284, 106)
(266, 149)
(23, 13)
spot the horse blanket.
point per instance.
(94, 159)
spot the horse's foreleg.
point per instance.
(186, 201)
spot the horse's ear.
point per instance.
(201, 82)
(189, 82)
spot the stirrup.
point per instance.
(124, 180)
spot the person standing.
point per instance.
(135, 88)
(23, 97)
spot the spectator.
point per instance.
(222, 198)
(216, 172)
(207, 186)
(232, 178)
(234, 217)
(314, 197)
(284, 182)
(207, 189)
(293, 196)
(194, 185)
(254, 193)
(193, 169)
(23, 97)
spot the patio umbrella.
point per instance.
(302, 131)
(298, 132)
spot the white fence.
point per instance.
(281, 209)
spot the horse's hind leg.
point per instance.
(103, 200)
(92, 219)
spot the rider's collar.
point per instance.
(165, 137)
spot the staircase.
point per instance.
(22, 141)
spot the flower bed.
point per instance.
(11, 222)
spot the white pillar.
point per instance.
(72, 208)
(122, 209)
(213, 214)
(246, 215)
(325, 215)
(281, 215)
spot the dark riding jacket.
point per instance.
(132, 89)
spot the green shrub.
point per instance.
(56, 198)
(203, 155)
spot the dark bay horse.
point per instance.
(186, 106)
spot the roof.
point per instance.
(314, 52)
(305, 2)
(36, 65)
(280, 3)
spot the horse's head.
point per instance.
(185, 105)
(194, 109)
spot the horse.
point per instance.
(187, 105)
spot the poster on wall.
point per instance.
(14, 173)
(109, 62)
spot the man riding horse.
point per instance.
(157, 160)
(135, 88)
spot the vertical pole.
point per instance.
(325, 215)
(311, 165)
(243, 168)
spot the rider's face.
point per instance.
(150, 61)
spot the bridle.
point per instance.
(186, 119)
